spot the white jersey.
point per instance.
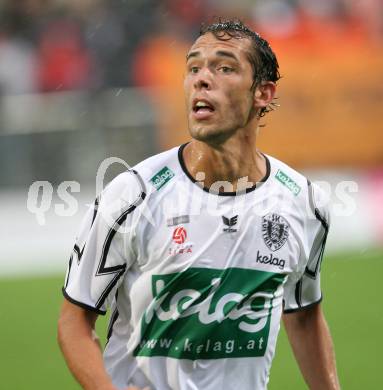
(196, 280)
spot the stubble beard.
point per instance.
(216, 134)
(211, 134)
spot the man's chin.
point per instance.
(203, 134)
(209, 134)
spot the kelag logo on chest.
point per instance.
(204, 313)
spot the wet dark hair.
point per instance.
(261, 57)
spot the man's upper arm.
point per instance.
(102, 252)
(305, 292)
(71, 313)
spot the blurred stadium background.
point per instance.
(83, 80)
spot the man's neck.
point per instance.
(236, 161)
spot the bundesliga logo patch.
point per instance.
(275, 231)
(179, 235)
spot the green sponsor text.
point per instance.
(205, 313)
(162, 177)
(288, 182)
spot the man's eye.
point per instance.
(194, 69)
(225, 69)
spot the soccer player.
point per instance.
(201, 250)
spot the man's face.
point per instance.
(218, 92)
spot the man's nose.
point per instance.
(203, 79)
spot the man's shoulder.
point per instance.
(164, 163)
(296, 185)
(143, 177)
(292, 180)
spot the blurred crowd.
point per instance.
(57, 45)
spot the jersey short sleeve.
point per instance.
(305, 291)
(104, 247)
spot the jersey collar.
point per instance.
(227, 193)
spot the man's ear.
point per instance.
(264, 94)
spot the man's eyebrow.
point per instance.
(229, 54)
(219, 53)
(192, 54)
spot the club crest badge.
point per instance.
(275, 231)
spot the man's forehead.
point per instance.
(210, 42)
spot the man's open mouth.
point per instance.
(201, 106)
